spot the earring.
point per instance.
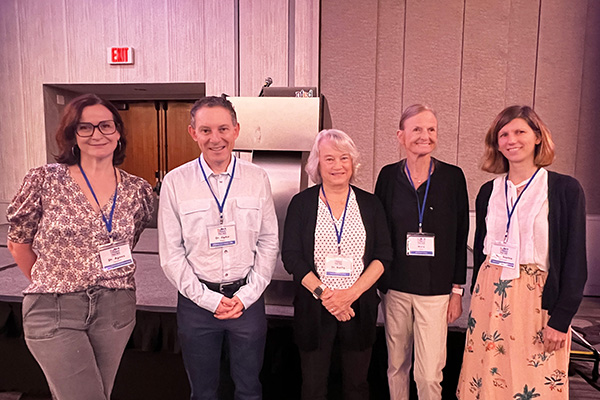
(119, 145)
(73, 150)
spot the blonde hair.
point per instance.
(495, 162)
(342, 142)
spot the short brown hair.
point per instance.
(66, 133)
(413, 110)
(212, 101)
(495, 162)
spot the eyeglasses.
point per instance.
(86, 129)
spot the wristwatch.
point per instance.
(318, 291)
(458, 290)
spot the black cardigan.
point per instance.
(297, 252)
(567, 271)
(446, 215)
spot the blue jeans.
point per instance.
(78, 339)
(201, 336)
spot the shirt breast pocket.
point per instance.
(247, 213)
(195, 216)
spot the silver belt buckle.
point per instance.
(221, 286)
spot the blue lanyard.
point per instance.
(421, 209)
(338, 234)
(508, 210)
(107, 222)
(221, 206)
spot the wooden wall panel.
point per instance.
(348, 73)
(559, 75)
(588, 143)
(221, 57)
(499, 59)
(388, 83)
(263, 41)
(186, 33)
(306, 43)
(13, 160)
(202, 43)
(143, 26)
(432, 65)
(43, 59)
(91, 27)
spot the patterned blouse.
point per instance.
(352, 244)
(51, 212)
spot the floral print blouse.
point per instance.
(51, 212)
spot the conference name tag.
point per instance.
(115, 255)
(338, 266)
(505, 255)
(420, 244)
(221, 235)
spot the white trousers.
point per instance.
(421, 321)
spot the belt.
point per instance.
(227, 288)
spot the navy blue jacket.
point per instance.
(297, 252)
(567, 271)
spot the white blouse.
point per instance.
(529, 222)
(352, 244)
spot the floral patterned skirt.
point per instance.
(504, 356)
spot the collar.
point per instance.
(210, 172)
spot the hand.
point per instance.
(553, 339)
(345, 316)
(339, 302)
(229, 308)
(454, 307)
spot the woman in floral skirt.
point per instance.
(529, 267)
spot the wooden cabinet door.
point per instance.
(180, 147)
(157, 138)
(141, 124)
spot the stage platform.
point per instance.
(154, 292)
(152, 367)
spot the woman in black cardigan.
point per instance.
(529, 267)
(336, 246)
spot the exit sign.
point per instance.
(120, 55)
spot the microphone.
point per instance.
(268, 82)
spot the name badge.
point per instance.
(115, 255)
(505, 255)
(221, 235)
(420, 244)
(338, 265)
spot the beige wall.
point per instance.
(468, 60)
(232, 45)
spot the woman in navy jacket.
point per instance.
(336, 245)
(529, 267)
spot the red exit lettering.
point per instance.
(120, 55)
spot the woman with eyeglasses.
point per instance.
(72, 227)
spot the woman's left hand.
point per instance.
(553, 339)
(340, 301)
(454, 307)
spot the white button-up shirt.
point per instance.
(187, 208)
(528, 225)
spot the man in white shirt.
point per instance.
(218, 242)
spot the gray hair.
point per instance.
(413, 110)
(342, 142)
